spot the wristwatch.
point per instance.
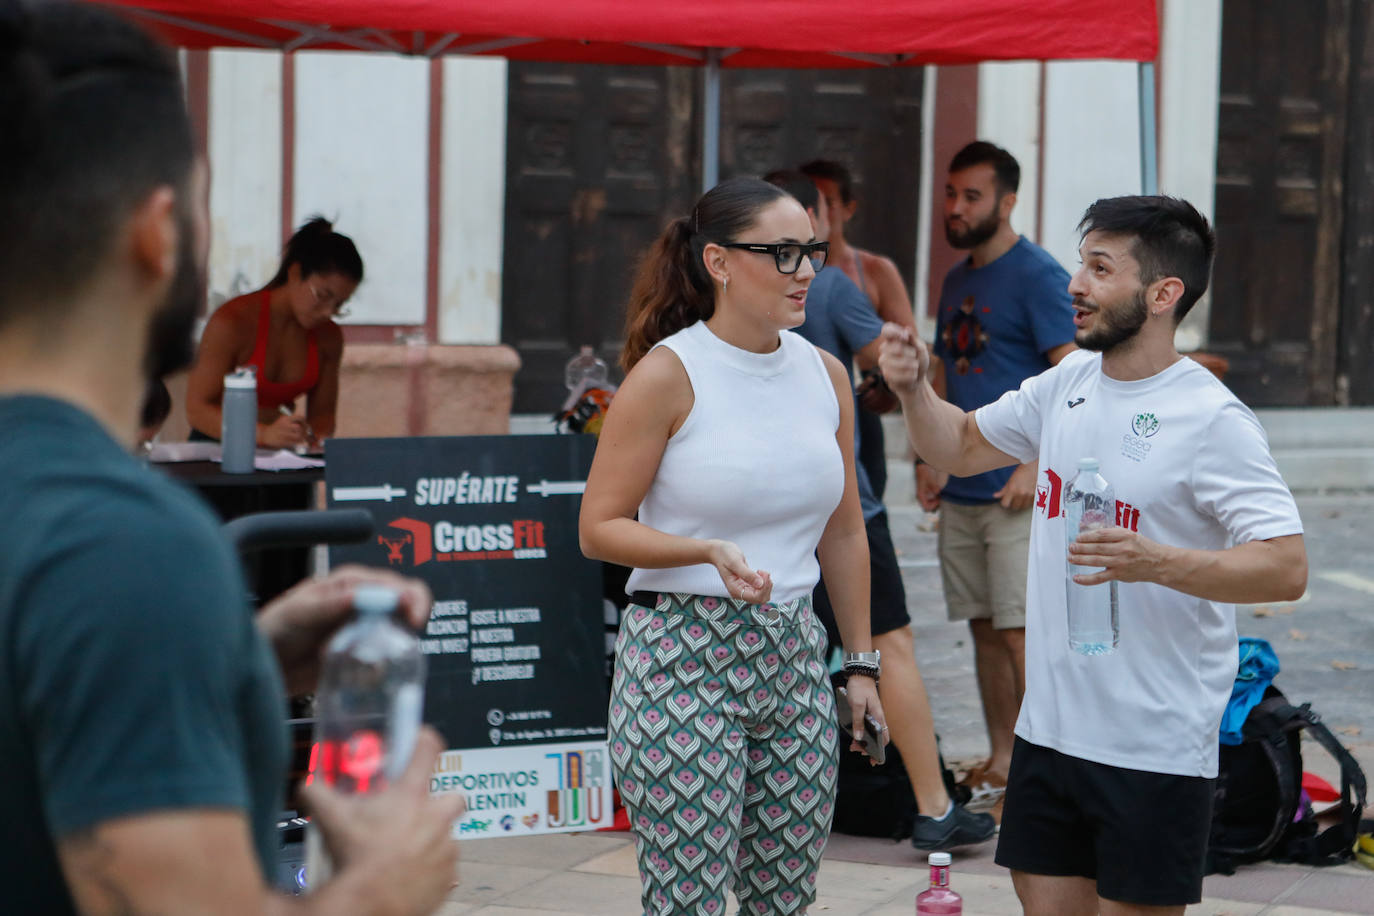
(868, 664)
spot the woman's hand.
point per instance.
(283, 432)
(742, 582)
(863, 700)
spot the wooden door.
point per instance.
(600, 158)
(597, 158)
(1279, 206)
(1355, 346)
(868, 119)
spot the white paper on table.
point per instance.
(184, 451)
(284, 460)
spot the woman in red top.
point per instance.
(286, 331)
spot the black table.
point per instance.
(232, 495)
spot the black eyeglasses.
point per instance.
(788, 255)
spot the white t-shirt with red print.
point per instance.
(1191, 468)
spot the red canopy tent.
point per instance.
(709, 33)
(750, 33)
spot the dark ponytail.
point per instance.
(672, 289)
(317, 249)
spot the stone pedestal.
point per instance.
(426, 390)
(407, 390)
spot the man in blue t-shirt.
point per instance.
(840, 320)
(1005, 315)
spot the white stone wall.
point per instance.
(1190, 85)
(1092, 145)
(361, 160)
(1009, 115)
(245, 153)
(474, 201)
(361, 147)
(1092, 132)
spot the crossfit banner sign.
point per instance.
(515, 642)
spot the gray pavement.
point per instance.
(1325, 644)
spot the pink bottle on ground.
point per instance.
(939, 900)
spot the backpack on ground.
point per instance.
(1258, 811)
(877, 800)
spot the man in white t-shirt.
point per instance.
(1109, 797)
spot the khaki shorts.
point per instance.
(983, 556)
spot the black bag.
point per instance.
(1256, 808)
(878, 801)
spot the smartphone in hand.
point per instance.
(872, 736)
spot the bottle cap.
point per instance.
(241, 378)
(939, 859)
(1088, 464)
(375, 599)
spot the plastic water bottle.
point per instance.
(368, 707)
(1089, 503)
(586, 370)
(238, 425)
(938, 899)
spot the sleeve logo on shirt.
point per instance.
(1049, 494)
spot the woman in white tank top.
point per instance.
(724, 470)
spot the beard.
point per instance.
(1116, 324)
(974, 235)
(170, 347)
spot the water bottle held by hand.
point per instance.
(368, 708)
(1089, 503)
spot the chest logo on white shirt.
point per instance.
(1133, 444)
(1049, 494)
(1145, 425)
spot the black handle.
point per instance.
(262, 530)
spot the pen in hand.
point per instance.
(309, 433)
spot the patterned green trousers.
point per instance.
(722, 734)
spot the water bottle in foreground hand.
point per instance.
(1090, 503)
(368, 708)
(938, 899)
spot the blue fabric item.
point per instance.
(995, 325)
(1258, 665)
(841, 320)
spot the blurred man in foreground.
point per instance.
(142, 742)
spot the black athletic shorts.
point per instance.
(1142, 836)
(887, 595)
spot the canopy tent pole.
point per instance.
(1149, 146)
(710, 121)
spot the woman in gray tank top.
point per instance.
(724, 476)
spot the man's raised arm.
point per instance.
(943, 435)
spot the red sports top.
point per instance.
(274, 394)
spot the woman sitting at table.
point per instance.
(287, 333)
